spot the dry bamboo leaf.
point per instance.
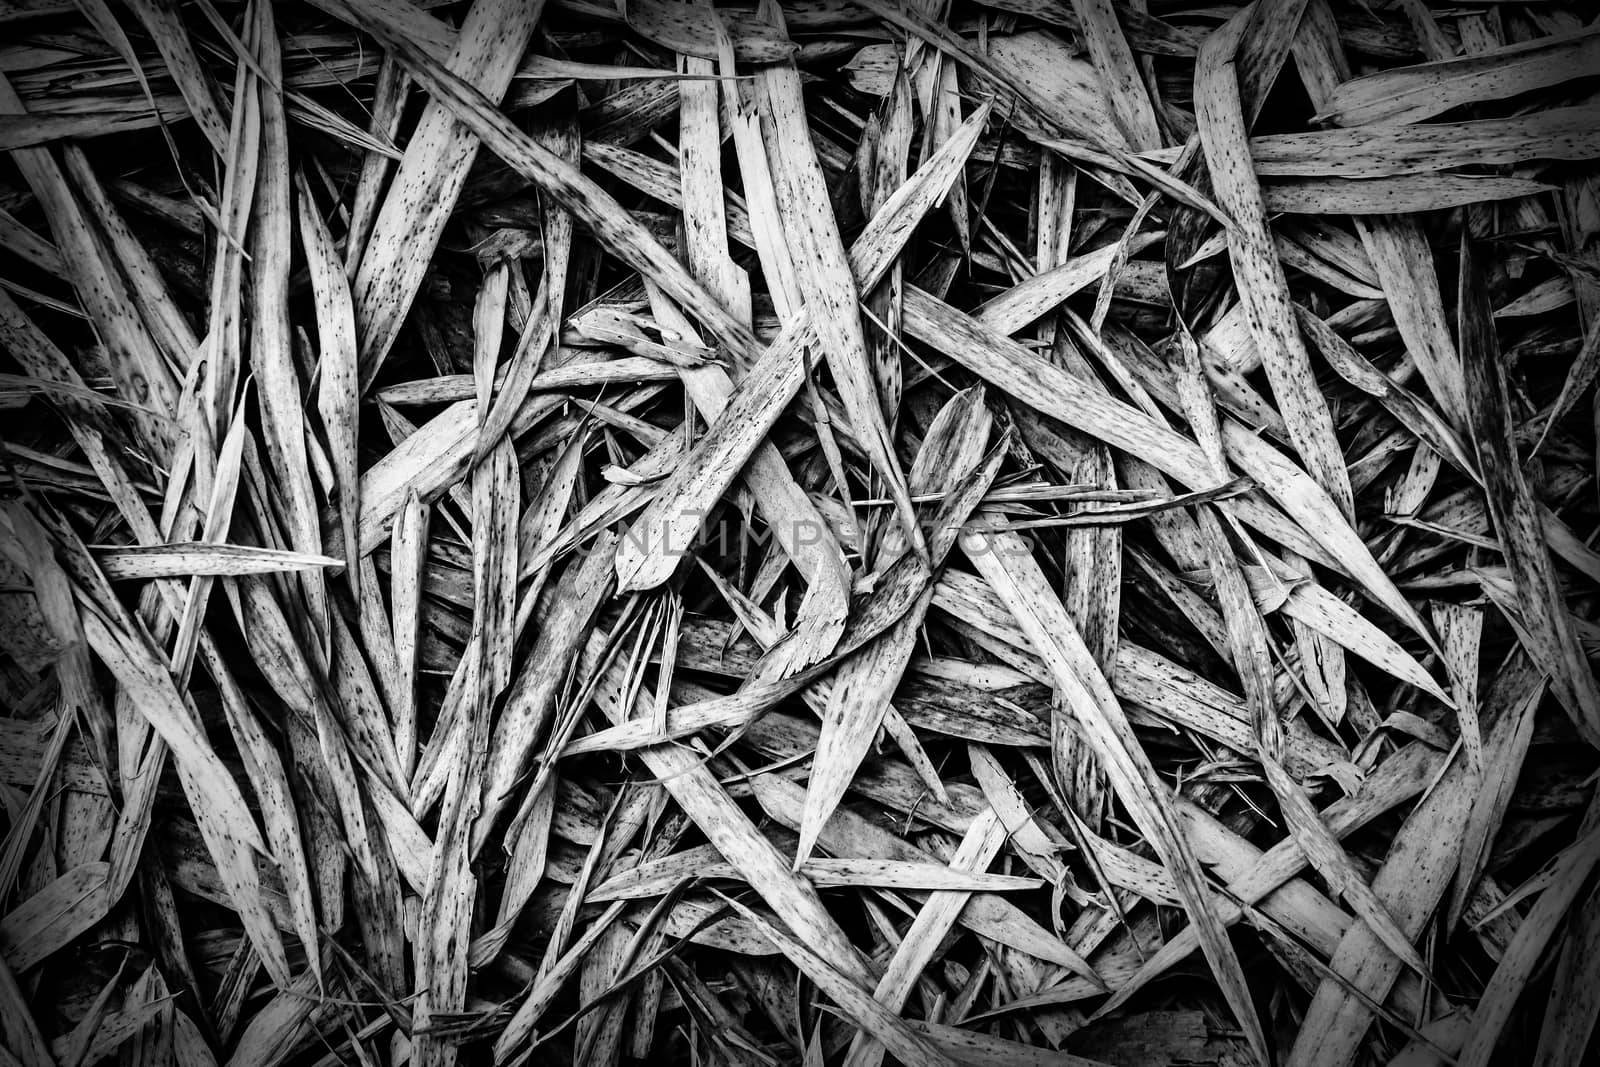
(921, 941)
(1312, 605)
(990, 916)
(48, 920)
(277, 381)
(430, 175)
(1570, 1013)
(952, 451)
(537, 333)
(873, 1017)
(1398, 780)
(1515, 693)
(1037, 850)
(1567, 877)
(1141, 677)
(1029, 300)
(1119, 76)
(977, 1049)
(139, 369)
(1399, 195)
(488, 330)
(138, 666)
(1258, 273)
(820, 616)
(1006, 563)
(228, 827)
(1552, 642)
(670, 520)
(198, 558)
(611, 223)
(693, 30)
(337, 386)
(1460, 638)
(883, 159)
(531, 696)
(19, 1027)
(1410, 885)
(407, 557)
(1391, 151)
(1411, 94)
(1324, 853)
(1023, 375)
(885, 874)
(264, 766)
(1406, 270)
(704, 800)
(164, 22)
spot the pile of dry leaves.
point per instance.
(988, 532)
